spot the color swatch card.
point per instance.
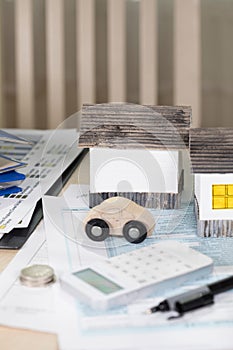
(10, 190)
(11, 178)
(8, 164)
(6, 137)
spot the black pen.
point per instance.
(193, 299)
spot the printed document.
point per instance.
(52, 153)
(53, 310)
(24, 307)
(103, 330)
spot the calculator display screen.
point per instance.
(98, 281)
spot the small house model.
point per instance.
(136, 152)
(211, 153)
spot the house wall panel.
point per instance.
(113, 170)
(205, 196)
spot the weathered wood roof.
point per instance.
(211, 150)
(118, 125)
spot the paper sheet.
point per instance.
(8, 137)
(25, 307)
(88, 328)
(46, 161)
(26, 219)
(79, 327)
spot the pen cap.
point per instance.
(194, 301)
(222, 285)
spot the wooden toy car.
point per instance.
(119, 216)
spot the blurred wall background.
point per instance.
(57, 54)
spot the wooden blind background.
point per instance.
(57, 54)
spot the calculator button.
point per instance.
(141, 281)
(150, 264)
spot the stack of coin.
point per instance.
(37, 276)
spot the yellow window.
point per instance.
(230, 202)
(219, 190)
(219, 203)
(230, 190)
(222, 196)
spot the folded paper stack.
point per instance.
(10, 179)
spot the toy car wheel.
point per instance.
(134, 231)
(97, 230)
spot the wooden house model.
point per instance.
(211, 153)
(136, 152)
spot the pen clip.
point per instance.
(175, 315)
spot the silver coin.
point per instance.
(37, 275)
(36, 283)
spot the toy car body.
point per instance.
(119, 216)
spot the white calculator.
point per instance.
(142, 272)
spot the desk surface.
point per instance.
(19, 339)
